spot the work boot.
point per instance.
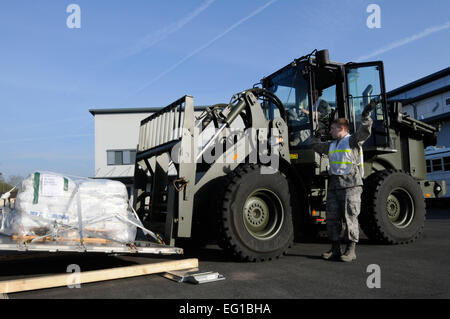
(349, 254)
(334, 253)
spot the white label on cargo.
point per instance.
(52, 186)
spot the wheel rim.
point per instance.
(400, 208)
(263, 214)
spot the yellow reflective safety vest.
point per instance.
(341, 159)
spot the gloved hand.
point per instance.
(370, 107)
(316, 134)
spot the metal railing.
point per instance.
(163, 126)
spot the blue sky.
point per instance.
(149, 53)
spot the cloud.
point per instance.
(415, 37)
(206, 45)
(155, 37)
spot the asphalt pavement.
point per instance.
(417, 270)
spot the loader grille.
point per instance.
(162, 127)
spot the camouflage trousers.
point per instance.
(343, 205)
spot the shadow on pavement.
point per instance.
(438, 209)
(47, 264)
(305, 256)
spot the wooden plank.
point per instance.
(16, 285)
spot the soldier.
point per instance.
(345, 182)
(322, 112)
(322, 109)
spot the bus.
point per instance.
(438, 164)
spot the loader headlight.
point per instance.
(438, 189)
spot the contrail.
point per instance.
(154, 38)
(405, 41)
(201, 48)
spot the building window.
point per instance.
(129, 157)
(121, 157)
(437, 164)
(118, 157)
(428, 166)
(447, 101)
(111, 158)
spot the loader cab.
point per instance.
(311, 96)
(292, 88)
(314, 94)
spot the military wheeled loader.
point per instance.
(244, 173)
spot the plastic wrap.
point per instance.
(53, 205)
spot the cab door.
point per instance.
(364, 82)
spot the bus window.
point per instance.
(437, 165)
(447, 163)
(428, 166)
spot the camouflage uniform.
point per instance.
(343, 204)
(344, 191)
(323, 110)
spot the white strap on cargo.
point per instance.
(80, 218)
(145, 230)
(7, 195)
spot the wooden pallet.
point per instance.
(49, 238)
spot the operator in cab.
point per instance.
(322, 111)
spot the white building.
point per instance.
(428, 100)
(116, 139)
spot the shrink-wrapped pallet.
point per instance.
(56, 205)
(105, 210)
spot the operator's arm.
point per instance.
(320, 147)
(365, 128)
(363, 132)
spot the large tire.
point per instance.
(393, 208)
(256, 216)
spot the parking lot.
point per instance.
(418, 270)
